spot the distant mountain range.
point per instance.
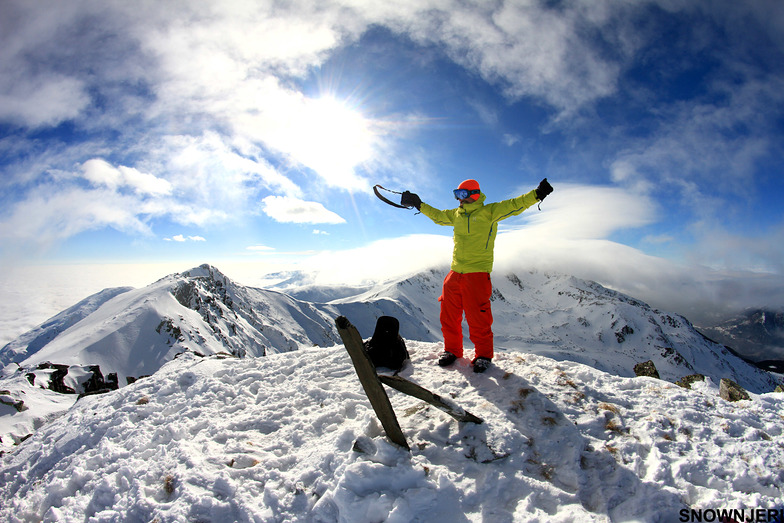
(133, 332)
(756, 334)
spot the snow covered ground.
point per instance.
(292, 437)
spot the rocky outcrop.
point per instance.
(687, 381)
(646, 368)
(728, 389)
(621, 335)
(72, 379)
(51, 376)
(7, 399)
(731, 391)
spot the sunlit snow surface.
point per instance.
(569, 434)
(291, 437)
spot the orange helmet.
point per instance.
(472, 188)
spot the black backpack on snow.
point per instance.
(387, 348)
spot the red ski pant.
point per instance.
(469, 293)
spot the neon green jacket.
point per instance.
(476, 225)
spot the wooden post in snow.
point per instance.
(412, 389)
(370, 382)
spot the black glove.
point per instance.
(409, 199)
(543, 190)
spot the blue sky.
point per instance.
(216, 131)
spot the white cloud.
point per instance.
(183, 213)
(180, 238)
(55, 213)
(691, 151)
(510, 139)
(144, 183)
(206, 181)
(122, 198)
(233, 65)
(322, 134)
(583, 212)
(42, 101)
(293, 210)
(212, 170)
(224, 60)
(58, 59)
(761, 251)
(527, 48)
(701, 293)
(259, 248)
(99, 172)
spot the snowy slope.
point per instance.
(202, 310)
(291, 437)
(134, 332)
(564, 318)
(572, 319)
(35, 339)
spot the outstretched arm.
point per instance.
(515, 206)
(439, 217)
(410, 199)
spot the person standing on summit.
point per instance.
(467, 287)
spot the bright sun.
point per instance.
(332, 139)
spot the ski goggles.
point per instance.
(462, 194)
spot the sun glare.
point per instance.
(333, 139)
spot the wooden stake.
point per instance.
(412, 389)
(370, 382)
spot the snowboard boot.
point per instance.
(446, 358)
(481, 364)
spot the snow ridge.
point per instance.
(219, 433)
(291, 437)
(35, 339)
(134, 332)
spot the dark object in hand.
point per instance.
(543, 190)
(410, 199)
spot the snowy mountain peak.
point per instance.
(207, 271)
(201, 310)
(569, 433)
(132, 333)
